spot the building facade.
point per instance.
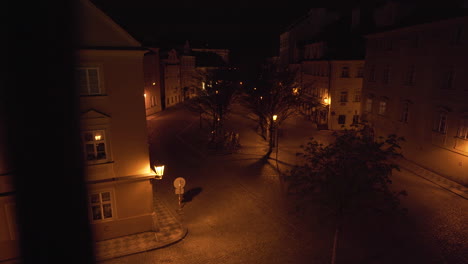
(416, 86)
(182, 71)
(113, 123)
(153, 92)
(337, 85)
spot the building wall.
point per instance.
(120, 112)
(132, 213)
(153, 82)
(188, 80)
(325, 81)
(350, 84)
(427, 74)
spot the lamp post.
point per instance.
(275, 142)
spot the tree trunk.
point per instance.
(335, 244)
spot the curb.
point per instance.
(435, 178)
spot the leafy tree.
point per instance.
(214, 99)
(350, 175)
(275, 93)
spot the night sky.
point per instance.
(249, 32)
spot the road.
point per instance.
(239, 211)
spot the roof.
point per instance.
(424, 19)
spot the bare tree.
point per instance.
(275, 97)
(214, 97)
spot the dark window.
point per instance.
(345, 72)
(355, 119)
(344, 97)
(341, 119)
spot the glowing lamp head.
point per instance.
(144, 95)
(326, 101)
(159, 171)
(275, 117)
(97, 137)
(154, 83)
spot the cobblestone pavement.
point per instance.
(241, 213)
(170, 230)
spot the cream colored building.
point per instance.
(337, 85)
(153, 82)
(416, 86)
(113, 123)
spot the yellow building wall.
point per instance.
(132, 210)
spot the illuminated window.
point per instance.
(95, 146)
(382, 107)
(101, 205)
(369, 105)
(344, 97)
(88, 81)
(440, 124)
(463, 129)
(404, 112)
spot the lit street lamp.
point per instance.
(158, 171)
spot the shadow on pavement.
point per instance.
(190, 194)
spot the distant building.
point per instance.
(154, 82)
(416, 86)
(337, 86)
(113, 123)
(330, 61)
(182, 71)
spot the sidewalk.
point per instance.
(434, 177)
(171, 230)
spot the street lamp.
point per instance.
(275, 130)
(159, 171)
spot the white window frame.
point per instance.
(404, 112)
(462, 132)
(101, 203)
(382, 107)
(440, 125)
(88, 86)
(103, 140)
